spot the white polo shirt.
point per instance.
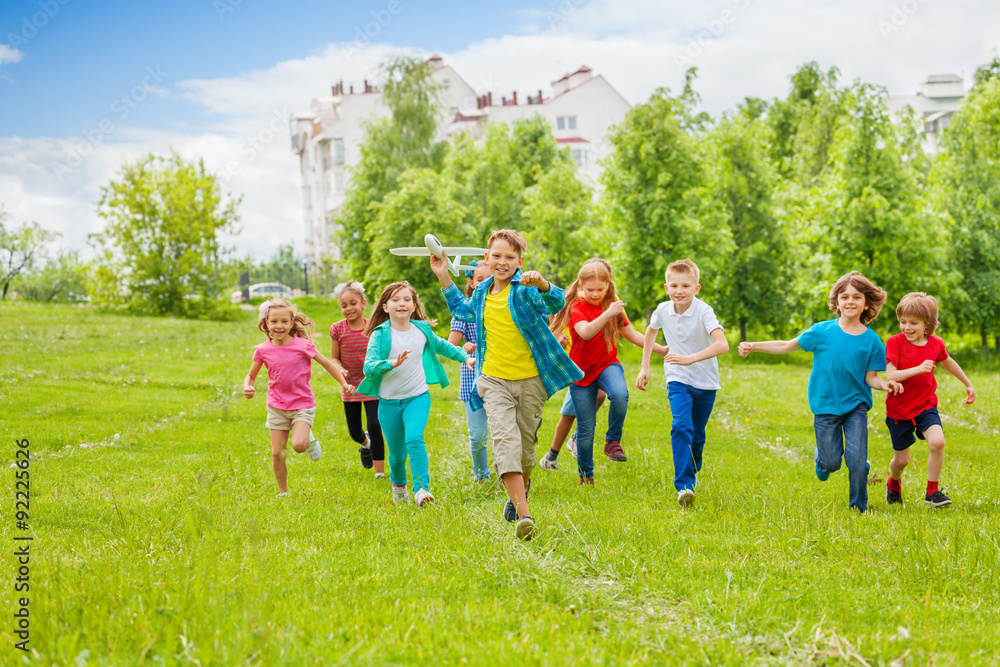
(688, 333)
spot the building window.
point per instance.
(339, 182)
(566, 122)
(579, 156)
(338, 151)
(571, 122)
(446, 83)
(561, 123)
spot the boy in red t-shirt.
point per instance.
(910, 358)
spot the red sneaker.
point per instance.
(613, 450)
(586, 480)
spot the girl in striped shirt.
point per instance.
(348, 352)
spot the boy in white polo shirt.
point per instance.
(694, 339)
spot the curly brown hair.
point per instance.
(874, 295)
(302, 326)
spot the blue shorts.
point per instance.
(567, 406)
(901, 430)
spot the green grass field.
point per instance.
(158, 538)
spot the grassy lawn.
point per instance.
(159, 540)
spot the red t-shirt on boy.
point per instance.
(919, 391)
(592, 356)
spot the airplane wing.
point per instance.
(411, 252)
(464, 250)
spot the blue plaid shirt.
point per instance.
(468, 379)
(529, 309)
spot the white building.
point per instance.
(581, 108)
(939, 98)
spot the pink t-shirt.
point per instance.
(289, 368)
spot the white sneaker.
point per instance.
(685, 497)
(571, 444)
(283, 494)
(380, 475)
(399, 495)
(422, 497)
(314, 451)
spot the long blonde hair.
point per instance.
(601, 270)
(302, 326)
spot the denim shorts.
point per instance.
(901, 430)
(567, 408)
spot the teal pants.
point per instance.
(403, 422)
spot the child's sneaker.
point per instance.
(821, 475)
(365, 451)
(422, 497)
(509, 511)
(685, 497)
(586, 480)
(613, 450)
(399, 495)
(937, 499)
(571, 444)
(314, 451)
(283, 494)
(525, 528)
(380, 475)
(893, 497)
(549, 462)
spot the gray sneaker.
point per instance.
(314, 451)
(399, 495)
(549, 462)
(571, 444)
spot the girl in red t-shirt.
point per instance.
(288, 354)
(597, 321)
(347, 350)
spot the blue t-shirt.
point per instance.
(840, 362)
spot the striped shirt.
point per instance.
(468, 331)
(353, 345)
(529, 309)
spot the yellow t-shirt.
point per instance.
(508, 356)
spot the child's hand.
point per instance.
(402, 355)
(616, 308)
(440, 266)
(970, 395)
(469, 348)
(893, 387)
(678, 359)
(533, 279)
(746, 347)
(349, 389)
(249, 391)
(470, 362)
(926, 366)
(642, 379)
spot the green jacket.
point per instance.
(377, 362)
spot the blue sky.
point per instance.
(94, 84)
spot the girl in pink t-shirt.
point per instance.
(348, 347)
(287, 353)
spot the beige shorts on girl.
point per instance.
(282, 420)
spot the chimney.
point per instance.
(352, 89)
(489, 99)
(515, 98)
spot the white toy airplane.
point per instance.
(434, 247)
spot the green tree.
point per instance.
(161, 250)
(651, 204)
(392, 145)
(62, 279)
(283, 266)
(20, 248)
(741, 182)
(968, 179)
(876, 217)
(419, 204)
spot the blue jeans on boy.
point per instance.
(845, 436)
(479, 434)
(691, 409)
(612, 381)
(403, 422)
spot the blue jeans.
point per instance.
(845, 436)
(612, 381)
(691, 409)
(479, 434)
(403, 422)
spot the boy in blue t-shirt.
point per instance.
(847, 356)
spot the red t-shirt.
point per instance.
(353, 345)
(919, 391)
(592, 355)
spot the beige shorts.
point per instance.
(282, 420)
(514, 414)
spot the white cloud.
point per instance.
(8, 54)
(740, 47)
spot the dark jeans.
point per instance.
(352, 410)
(845, 436)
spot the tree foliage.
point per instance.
(62, 279)
(21, 248)
(161, 251)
